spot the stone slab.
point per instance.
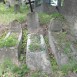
(55, 25)
(13, 52)
(38, 60)
(15, 26)
(33, 22)
(60, 57)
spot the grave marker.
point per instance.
(33, 22)
(12, 52)
(30, 3)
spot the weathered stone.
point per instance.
(45, 7)
(70, 15)
(16, 8)
(15, 26)
(55, 25)
(7, 4)
(60, 57)
(38, 60)
(33, 22)
(11, 53)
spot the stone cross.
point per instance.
(30, 3)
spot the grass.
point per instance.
(36, 43)
(71, 66)
(8, 15)
(45, 18)
(9, 42)
(52, 58)
(8, 69)
(23, 45)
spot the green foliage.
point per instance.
(23, 46)
(8, 15)
(7, 67)
(53, 63)
(44, 18)
(62, 39)
(52, 58)
(58, 15)
(10, 41)
(24, 39)
(21, 71)
(71, 66)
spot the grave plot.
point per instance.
(36, 54)
(10, 44)
(63, 46)
(64, 50)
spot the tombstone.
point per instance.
(61, 58)
(59, 48)
(36, 52)
(16, 7)
(7, 4)
(12, 52)
(56, 25)
(37, 58)
(15, 26)
(33, 22)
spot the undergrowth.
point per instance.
(8, 15)
(8, 69)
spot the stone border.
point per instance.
(38, 60)
(60, 57)
(11, 52)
